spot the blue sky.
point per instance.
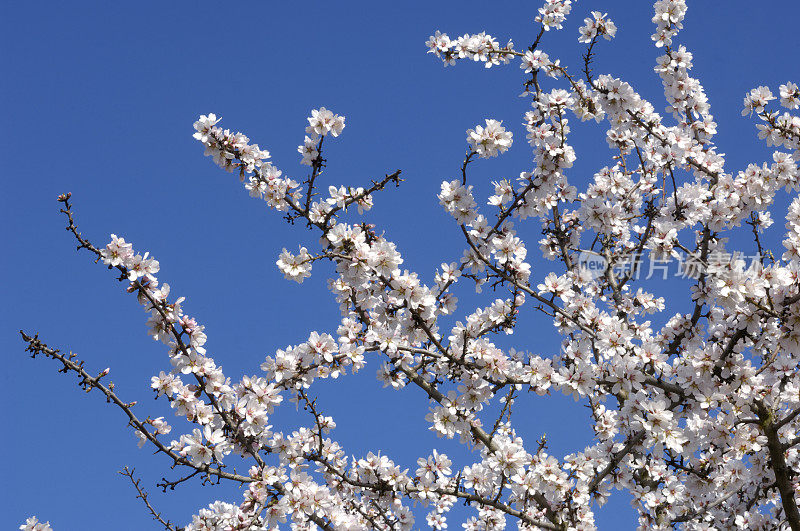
(100, 99)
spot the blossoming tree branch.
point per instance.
(697, 418)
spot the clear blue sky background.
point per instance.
(99, 99)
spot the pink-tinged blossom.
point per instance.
(599, 24)
(534, 60)
(322, 121)
(295, 267)
(33, 524)
(491, 140)
(790, 95)
(756, 100)
(118, 252)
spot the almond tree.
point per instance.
(698, 419)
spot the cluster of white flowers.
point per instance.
(776, 129)
(599, 24)
(186, 341)
(120, 253)
(790, 95)
(458, 201)
(534, 60)
(553, 14)
(236, 416)
(756, 100)
(223, 146)
(33, 524)
(321, 123)
(668, 18)
(477, 47)
(295, 267)
(491, 140)
(232, 152)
